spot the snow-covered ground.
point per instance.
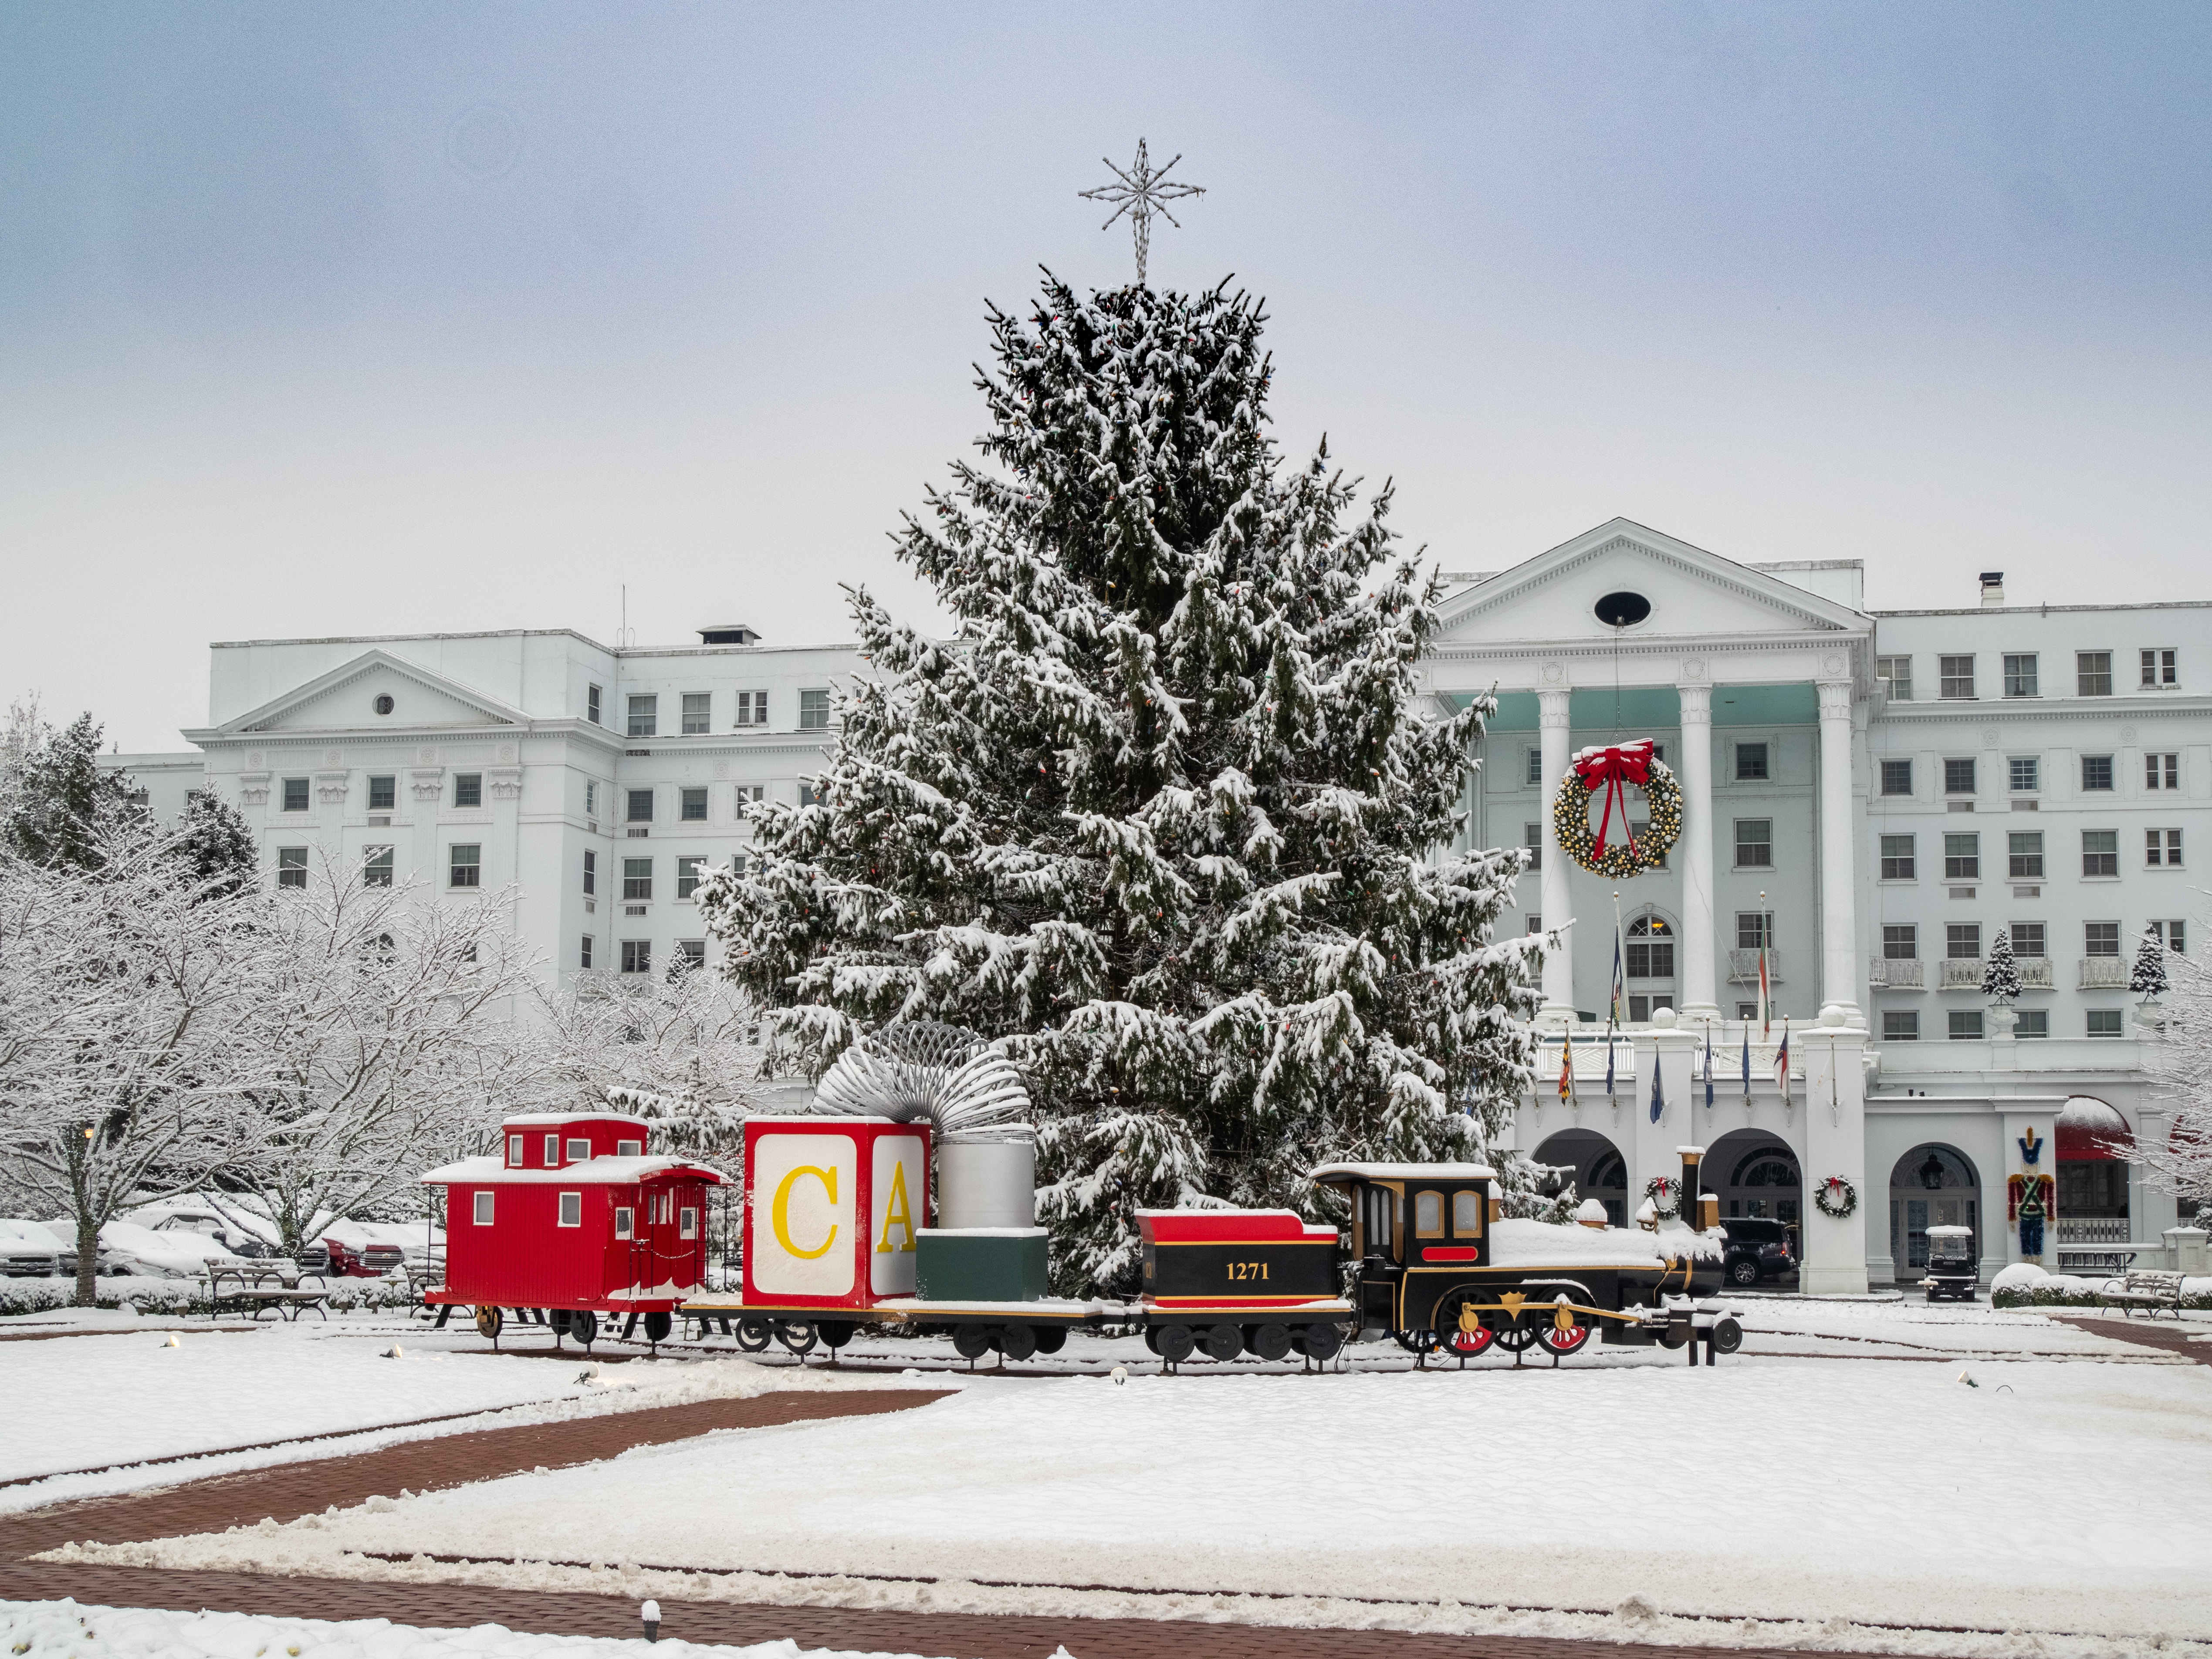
(55, 1628)
(2054, 1496)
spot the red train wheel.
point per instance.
(1472, 1342)
(1571, 1339)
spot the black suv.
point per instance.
(1757, 1249)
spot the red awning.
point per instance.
(2089, 1129)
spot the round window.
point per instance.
(1622, 610)
(384, 704)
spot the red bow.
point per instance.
(1624, 763)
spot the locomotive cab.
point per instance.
(1412, 1224)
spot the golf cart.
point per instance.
(1953, 1269)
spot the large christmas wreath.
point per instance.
(1664, 1192)
(1837, 1197)
(1614, 770)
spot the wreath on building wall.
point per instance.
(1837, 1197)
(1614, 770)
(1665, 1193)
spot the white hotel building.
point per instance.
(1872, 795)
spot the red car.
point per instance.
(363, 1262)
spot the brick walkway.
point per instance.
(292, 1490)
(2171, 1334)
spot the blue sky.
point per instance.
(335, 320)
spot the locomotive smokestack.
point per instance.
(1691, 1209)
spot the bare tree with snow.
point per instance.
(2180, 1065)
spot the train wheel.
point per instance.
(753, 1335)
(1517, 1338)
(1174, 1343)
(795, 1335)
(1152, 1338)
(489, 1321)
(971, 1342)
(1223, 1342)
(1562, 1340)
(1727, 1335)
(1418, 1342)
(1050, 1339)
(559, 1318)
(1470, 1343)
(583, 1326)
(1319, 1342)
(1271, 1342)
(836, 1333)
(1017, 1342)
(658, 1326)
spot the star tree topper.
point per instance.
(1140, 193)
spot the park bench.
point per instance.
(263, 1290)
(2144, 1289)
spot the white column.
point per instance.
(1834, 1104)
(1700, 987)
(1840, 971)
(1559, 966)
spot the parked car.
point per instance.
(27, 1250)
(233, 1237)
(150, 1253)
(1757, 1249)
(314, 1257)
(362, 1260)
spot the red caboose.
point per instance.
(573, 1221)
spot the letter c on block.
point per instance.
(779, 1212)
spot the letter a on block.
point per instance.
(896, 1213)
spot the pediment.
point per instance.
(1552, 597)
(344, 700)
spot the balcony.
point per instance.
(1961, 974)
(1896, 973)
(2036, 974)
(1743, 967)
(2104, 973)
(2092, 1229)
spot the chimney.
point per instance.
(728, 634)
(1993, 587)
(1693, 1201)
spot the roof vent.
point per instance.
(728, 634)
(1993, 587)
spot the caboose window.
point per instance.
(483, 1210)
(572, 1209)
(690, 1226)
(552, 1151)
(1466, 1214)
(1429, 1214)
(623, 1216)
(629, 1149)
(580, 1151)
(514, 1151)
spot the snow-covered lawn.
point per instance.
(51, 1629)
(2057, 1497)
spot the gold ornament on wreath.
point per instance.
(1612, 771)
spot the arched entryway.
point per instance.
(2094, 1149)
(1934, 1185)
(1756, 1177)
(1598, 1170)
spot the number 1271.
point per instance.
(1247, 1270)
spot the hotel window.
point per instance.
(694, 810)
(1532, 837)
(1962, 858)
(1755, 929)
(814, 711)
(640, 806)
(1897, 777)
(2163, 847)
(2027, 939)
(637, 878)
(590, 873)
(1651, 949)
(692, 953)
(1750, 762)
(1957, 676)
(1900, 1025)
(1535, 922)
(644, 716)
(468, 789)
(2168, 933)
(1897, 860)
(2096, 772)
(572, 1210)
(591, 799)
(2161, 668)
(2024, 774)
(2033, 1022)
(383, 794)
(2020, 675)
(1535, 767)
(752, 708)
(1901, 943)
(2024, 856)
(2100, 852)
(698, 714)
(291, 866)
(2104, 1022)
(2093, 673)
(2100, 938)
(1965, 1025)
(1962, 941)
(592, 704)
(464, 864)
(2161, 771)
(637, 956)
(376, 866)
(809, 795)
(1754, 843)
(687, 876)
(1898, 671)
(295, 794)
(583, 956)
(480, 1208)
(1957, 777)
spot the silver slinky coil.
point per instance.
(921, 1070)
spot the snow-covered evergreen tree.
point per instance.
(215, 843)
(1170, 817)
(2001, 973)
(2147, 978)
(61, 801)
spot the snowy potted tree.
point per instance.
(2001, 985)
(2147, 979)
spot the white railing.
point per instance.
(1961, 974)
(2104, 973)
(2036, 974)
(2092, 1230)
(1743, 967)
(1896, 973)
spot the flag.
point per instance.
(1782, 1064)
(1567, 1067)
(1608, 1060)
(1766, 1003)
(1709, 1067)
(1746, 1062)
(1658, 1100)
(1618, 1015)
